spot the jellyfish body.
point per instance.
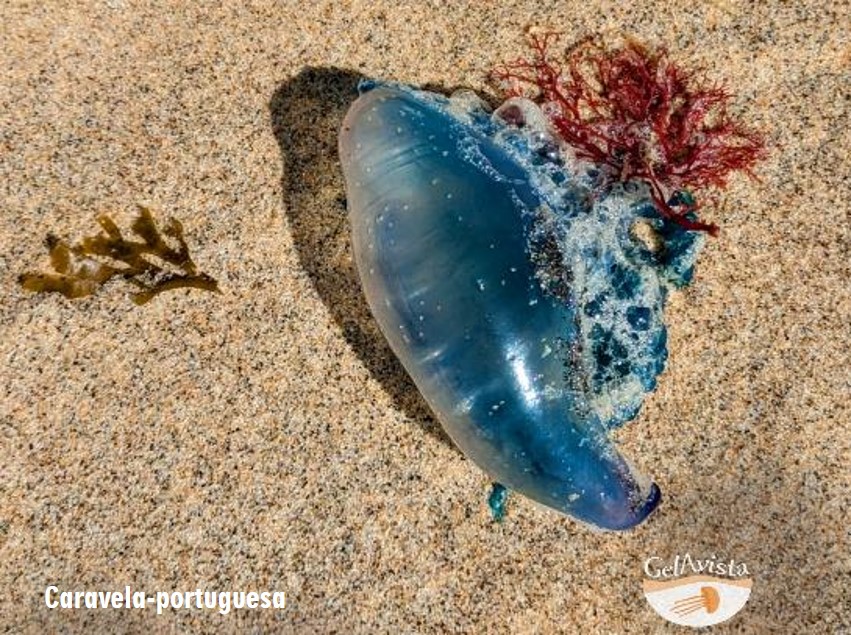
(522, 306)
(707, 600)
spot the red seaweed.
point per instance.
(638, 115)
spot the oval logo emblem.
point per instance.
(698, 600)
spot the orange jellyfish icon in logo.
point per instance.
(707, 600)
(698, 600)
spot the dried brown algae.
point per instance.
(152, 264)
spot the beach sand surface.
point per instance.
(265, 438)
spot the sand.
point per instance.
(265, 438)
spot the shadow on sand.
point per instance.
(306, 113)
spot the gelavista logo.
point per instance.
(696, 592)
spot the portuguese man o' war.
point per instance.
(527, 308)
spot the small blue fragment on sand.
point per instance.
(496, 501)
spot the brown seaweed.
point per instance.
(151, 264)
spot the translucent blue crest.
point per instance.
(522, 293)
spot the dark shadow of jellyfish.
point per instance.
(306, 114)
